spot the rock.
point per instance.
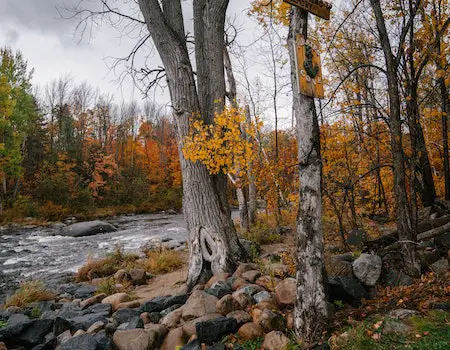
(237, 283)
(3, 346)
(266, 304)
(145, 317)
(175, 338)
(84, 341)
(262, 296)
(356, 238)
(250, 289)
(169, 310)
(125, 315)
(277, 269)
(79, 332)
(154, 305)
(116, 299)
(96, 327)
(135, 322)
(402, 313)
(244, 268)
(227, 304)
(268, 282)
(63, 337)
(250, 331)
(111, 327)
(270, 320)
(220, 277)
(92, 300)
(440, 267)
(251, 248)
(367, 268)
(393, 327)
(129, 305)
(85, 292)
(219, 289)
(85, 321)
(104, 341)
(138, 276)
(35, 333)
(285, 292)
(189, 327)
(137, 339)
(251, 276)
(396, 278)
(199, 304)
(243, 299)
(172, 319)
(275, 340)
(120, 275)
(339, 267)
(100, 308)
(87, 228)
(290, 320)
(61, 325)
(172, 300)
(240, 316)
(211, 331)
(346, 289)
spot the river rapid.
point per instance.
(42, 253)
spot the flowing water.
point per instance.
(42, 253)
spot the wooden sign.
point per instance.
(309, 69)
(319, 8)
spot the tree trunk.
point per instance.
(213, 244)
(310, 310)
(406, 235)
(252, 203)
(243, 209)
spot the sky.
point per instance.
(54, 48)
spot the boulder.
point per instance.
(174, 339)
(3, 346)
(125, 315)
(250, 331)
(213, 330)
(170, 309)
(402, 313)
(136, 339)
(396, 278)
(116, 299)
(440, 267)
(285, 292)
(189, 327)
(250, 289)
(275, 340)
(104, 341)
(154, 305)
(270, 321)
(277, 269)
(172, 319)
(337, 266)
(135, 322)
(244, 268)
(129, 305)
(83, 322)
(84, 292)
(251, 276)
(84, 341)
(87, 228)
(100, 308)
(238, 283)
(219, 277)
(96, 327)
(262, 296)
(219, 289)
(138, 276)
(199, 304)
(120, 275)
(35, 333)
(346, 289)
(240, 316)
(92, 300)
(268, 282)
(145, 317)
(367, 268)
(395, 327)
(227, 304)
(243, 299)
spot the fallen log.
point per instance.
(434, 232)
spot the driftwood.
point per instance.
(426, 230)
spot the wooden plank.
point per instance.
(309, 86)
(316, 7)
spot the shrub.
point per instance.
(52, 211)
(162, 261)
(262, 234)
(29, 292)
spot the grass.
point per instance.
(162, 261)
(29, 292)
(429, 332)
(109, 286)
(107, 266)
(262, 233)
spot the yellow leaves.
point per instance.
(223, 146)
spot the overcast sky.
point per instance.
(52, 47)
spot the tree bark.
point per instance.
(252, 202)
(310, 309)
(213, 244)
(406, 234)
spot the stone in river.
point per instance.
(88, 228)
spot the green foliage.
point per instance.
(338, 303)
(35, 312)
(262, 233)
(107, 286)
(3, 324)
(253, 344)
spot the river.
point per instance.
(42, 253)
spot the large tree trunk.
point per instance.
(406, 234)
(213, 243)
(310, 309)
(252, 202)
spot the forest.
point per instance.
(340, 195)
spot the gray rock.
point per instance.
(135, 322)
(125, 315)
(262, 296)
(346, 289)
(219, 289)
(367, 268)
(396, 278)
(440, 267)
(84, 341)
(211, 331)
(169, 310)
(393, 327)
(85, 292)
(104, 341)
(87, 228)
(85, 321)
(402, 313)
(35, 333)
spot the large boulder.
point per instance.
(199, 304)
(88, 228)
(367, 268)
(285, 292)
(346, 289)
(250, 331)
(275, 341)
(176, 338)
(83, 341)
(211, 331)
(35, 333)
(136, 339)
